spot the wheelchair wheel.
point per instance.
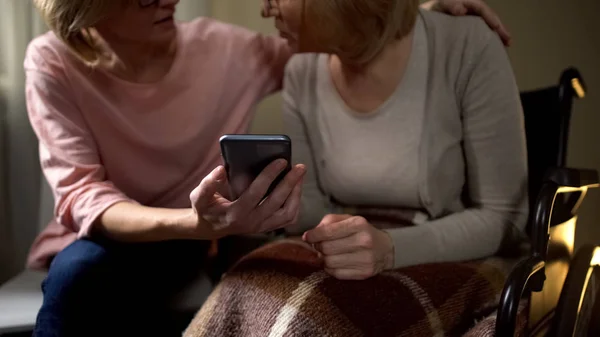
(578, 310)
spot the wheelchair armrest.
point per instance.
(512, 294)
(547, 213)
(570, 177)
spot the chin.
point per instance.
(164, 36)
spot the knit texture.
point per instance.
(281, 290)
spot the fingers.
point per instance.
(475, 7)
(357, 265)
(346, 245)
(259, 187)
(281, 193)
(202, 195)
(333, 218)
(293, 204)
(478, 7)
(504, 35)
(355, 260)
(335, 231)
(348, 274)
(458, 9)
(288, 214)
(490, 17)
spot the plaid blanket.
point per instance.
(281, 290)
(487, 326)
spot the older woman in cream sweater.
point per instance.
(407, 114)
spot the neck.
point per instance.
(137, 61)
(392, 60)
(365, 88)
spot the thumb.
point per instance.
(202, 195)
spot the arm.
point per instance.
(314, 204)
(84, 198)
(88, 203)
(474, 7)
(277, 53)
(267, 55)
(496, 165)
(131, 222)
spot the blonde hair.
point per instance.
(356, 30)
(72, 22)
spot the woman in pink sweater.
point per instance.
(128, 106)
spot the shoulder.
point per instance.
(47, 54)
(301, 71)
(464, 36)
(214, 33)
(239, 47)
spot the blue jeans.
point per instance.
(104, 288)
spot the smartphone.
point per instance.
(246, 156)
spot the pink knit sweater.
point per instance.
(103, 140)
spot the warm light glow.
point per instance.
(596, 257)
(587, 280)
(580, 200)
(582, 189)
(578, 88)
(595, 261)
(565, 234)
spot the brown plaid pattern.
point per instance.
(280, 290)
(487, 326)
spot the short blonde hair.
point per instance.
(72, 21)
(357, 30)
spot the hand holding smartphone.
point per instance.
(265, 189)
(246, 156)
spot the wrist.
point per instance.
(178, 224)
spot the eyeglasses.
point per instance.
(147, 3)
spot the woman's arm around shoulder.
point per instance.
(261, 57)
(474, 7)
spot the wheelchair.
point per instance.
(559, 286)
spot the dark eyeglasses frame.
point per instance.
(147, 3)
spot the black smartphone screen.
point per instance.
(246, 156)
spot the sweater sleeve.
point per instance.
(314, 203)
(275, 54)
(68, 154)
(496, 170)
(263, 56)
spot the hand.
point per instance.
(216, 216)
(476, 7)
(269, 9)
(352, 248)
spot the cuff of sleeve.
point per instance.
(90, 219)
(90, 206)
(413, 246)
